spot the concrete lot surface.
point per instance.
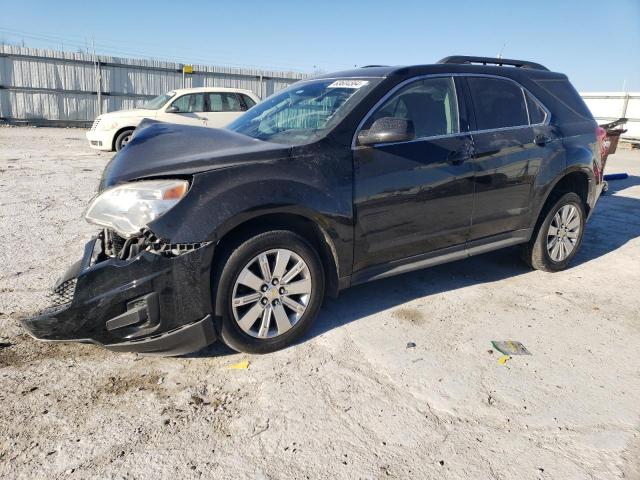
(352, 400)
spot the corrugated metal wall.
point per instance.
(44, 86)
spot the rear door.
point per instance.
(511, 141)
(414, 197)
(223, 108)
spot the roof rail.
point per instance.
(373, 66)
(464, 59)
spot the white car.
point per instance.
(205, 107)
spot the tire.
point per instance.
(122, 139)
(541, 252)
(238, 330)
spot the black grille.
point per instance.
(117, 242)
(63, 293)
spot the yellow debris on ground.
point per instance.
(503, 359)
(243, 365)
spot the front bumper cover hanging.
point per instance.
(157, 302)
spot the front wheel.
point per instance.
(556, 240)
(270, 289)
(122, 139)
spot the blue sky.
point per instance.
(596, 43)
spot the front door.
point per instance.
(414, 197)
(190, 110)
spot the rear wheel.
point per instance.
(269, 291)
(556, 240)
(122, 139)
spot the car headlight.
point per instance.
(130, 207)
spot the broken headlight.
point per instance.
(129, 207)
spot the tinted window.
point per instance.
(430, 104)
(248, 101)
(564, 92)
(536, 112)
(224, 102)
(497, 103)
(190, 103)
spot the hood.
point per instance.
(160, 149)
(136, 112)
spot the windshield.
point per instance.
(158, 102)
(304, 111)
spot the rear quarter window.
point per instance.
(248, 101)
(566, 96)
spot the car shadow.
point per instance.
(369, 298)
(615, 222)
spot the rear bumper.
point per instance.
(149, 304)
(100, 139)
(594, 196)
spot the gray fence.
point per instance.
(53, 87)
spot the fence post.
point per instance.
(625, 104)
(99, 85)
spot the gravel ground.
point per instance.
(352, 400)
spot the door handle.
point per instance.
(541, 140)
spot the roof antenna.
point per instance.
(502, 50)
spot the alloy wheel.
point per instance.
(563, 233)
(271, 293)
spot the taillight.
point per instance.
(601, 135)
(603, 145)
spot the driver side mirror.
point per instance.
(172, 109)
(387, 130)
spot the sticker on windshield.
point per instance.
(349, 84)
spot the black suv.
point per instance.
(337, 180)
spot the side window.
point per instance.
(430, 104)
(182, 103)
(567, 96)
(224, 102)
(248, 101)
(232, 103)
(536, 112)
(216, 102)
(198, 102)
(190, 103)
(497, 103)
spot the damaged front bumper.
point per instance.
(157, 301)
